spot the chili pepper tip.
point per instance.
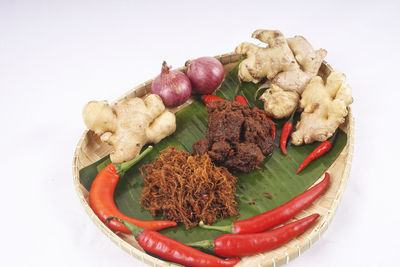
(112, 218)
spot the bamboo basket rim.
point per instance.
(274, 258)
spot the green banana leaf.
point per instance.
(275, 183)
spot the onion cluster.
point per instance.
(204, 75)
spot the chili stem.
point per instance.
(222, 228)
(135, 230)
(123, 167)
(206, 244)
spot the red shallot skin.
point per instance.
(172, 86)
(206, 74)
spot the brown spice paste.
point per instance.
(238, 137)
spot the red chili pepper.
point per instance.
(231, 245)
(170, 249)
(286, 130)
(101, 197)
(241, 99)
(317, 152)
(210, 98)
(276, 216)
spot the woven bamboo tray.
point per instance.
(91, 149)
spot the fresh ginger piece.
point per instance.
(99, 117)
(286, 63)
(263, 62)
(277, 102)
(129, 124)
(294, 81)
(325, 108)
(161, 127)
(309, 59)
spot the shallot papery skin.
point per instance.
(206, 74)
(172, 86)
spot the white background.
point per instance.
(57, 55)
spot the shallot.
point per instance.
(172, 86)
(205, 73)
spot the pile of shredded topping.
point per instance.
(188, 189)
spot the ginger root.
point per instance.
(325, 108)
(129, 124)
(289, 64)
(266, 62)
(277, 102)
